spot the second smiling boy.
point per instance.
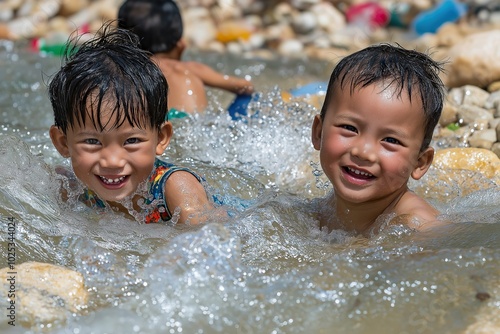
(374, 133)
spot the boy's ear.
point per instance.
(181, 45)
(164, 135)
(59, 140)
(317, 129)
(423, 163)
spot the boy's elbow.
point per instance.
(208, 213)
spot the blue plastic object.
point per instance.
(238, 108)
(446, 11)
(313, 88)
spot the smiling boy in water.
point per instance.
(110, 105)
(374, 133)
(158, 23)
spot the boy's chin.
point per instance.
(113, 199)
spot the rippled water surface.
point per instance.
(267, 269)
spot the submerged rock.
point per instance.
(43, 292)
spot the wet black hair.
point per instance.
(108, 72)
(158, 23)
(408, 70)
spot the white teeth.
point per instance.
(358, 172)
(112, 181)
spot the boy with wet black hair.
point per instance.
(374, 133)
(110, 105)
(158, 23)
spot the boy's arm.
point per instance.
(212, 78)
(184, 191)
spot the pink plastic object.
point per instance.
(369, 12)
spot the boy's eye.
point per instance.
(391, 140)
(349, 128)
(132, 141)
(92, 141)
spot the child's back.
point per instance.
(158, 24)
(188, 92)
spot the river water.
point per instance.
(268, 268)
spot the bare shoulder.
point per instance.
(181, 183)
(196, 66)
(416, 212)
(411, 203)
(184, 191)
(203, 71)
(172, 66)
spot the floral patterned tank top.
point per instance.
(159, 210)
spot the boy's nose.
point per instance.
(112, 158)
(364, 150)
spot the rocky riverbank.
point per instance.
(312, 28)
(317, 29)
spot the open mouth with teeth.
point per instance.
(112, 181)
(358, 173)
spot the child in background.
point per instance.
(158, 24)
(374, 133)
(110, 105)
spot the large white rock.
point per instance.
(199, 27)
(474, 61)
(329, 17)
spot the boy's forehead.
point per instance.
(382, 91)
(109, 113)
(388, 88)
